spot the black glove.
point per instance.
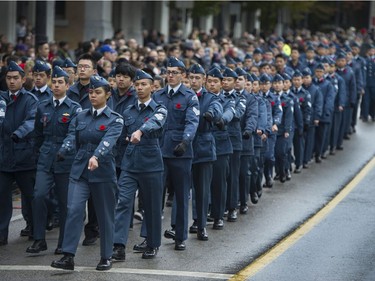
(246, 135)
(306, 127)
(15, 138)
(352, 104)
(59, 157)
(220, 124)
(180, 149)
(208, 116)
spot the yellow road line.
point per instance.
(288, 241)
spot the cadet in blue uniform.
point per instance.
(17, 147)
(234, 130)
(176, 144)
(249, 125)
(368, 103)
(284, 130)
(347, 74)
(79, 92)
(304, 100)
(328, 95)
(223, 149)
(203, 146)
(277, 112)
(51, 127)
(316, 113)
(71, 68)
(41, 76)
(141, 168)
(93, 134)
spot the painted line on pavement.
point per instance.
(302, 230)
(203, 275)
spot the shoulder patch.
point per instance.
(196, 111)
(194, 97)
(79, 109)
(120, 120)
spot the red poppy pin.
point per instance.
(102, 127)
(272, 103)
(301, 100)
(146, 119)
(283, 104)
(199, 94)
(178, 106)
(64, 119)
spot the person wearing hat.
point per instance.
(310, 58)
(256, 164)
(346, 72)
(181, 125)
(93, 134)
(41, 76)
(69, 67)
(368, 101)
(43, 51)
(248, 125)
(51, 127)
(316, 113)
(248, 62)
(297, 125)
(277, 112)
(18, 156)
(284, 129)
(112, 79)
(141, 168)
(224, 148)
(322, 52)
(203, 147)
(304, 101)
(108, 53)
(295, 61)
(328, 96)
(234, 129)
(257, 57)
(280, 64)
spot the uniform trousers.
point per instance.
(233, 180)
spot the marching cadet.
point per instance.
(223, 148)
(284, 129)
(347, 74)
(310, 58)
(93, 134)
(51, 127)
(141, 168)
(328, 95)
(69, 67)
(248, 124)
(277, 112)
(256, 164)
(112, 79)
(234, 129)
(316, 113)
(297, 125)
(368, 103)
(176, 143)
(338, 84)
(41, 77)
(79, 92)
(304, 100)
(18, 157)
(203, 147)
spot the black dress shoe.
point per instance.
(288, 175)
(283, 179)
(260, 192)
(305, 166)
(140, 248)
(66, 262)
(89, 241)
(218, 224)
(3, 241)
(49, 225)
(318, 159)
(179, 245)
(150, 253)
(202, 234)
(244, 209)
(37, 246)
(58, 251)
(104, 264)
(269, 183)
(170, 234)
(340, 148)
(26, 231)
(209, 219)
(118, 252)
(194, 227)
(254, 197)
(298, 170)
(276, 177)
(346, 137)
(232, 215)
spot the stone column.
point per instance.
(50, 20)
(98, 20)
(8, 19)
(131, 20)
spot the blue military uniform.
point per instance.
(368, 103)
(17, 157)
(176, 144)
(51, 127)
(90, 136)
(142, 168)
(45, 92)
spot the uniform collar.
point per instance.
(42, 90)
(60, 100)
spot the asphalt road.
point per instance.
(281, 209)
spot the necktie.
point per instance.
(13, 96)
(95, 113)
(226, 94)
(142, 106)
(171, 92)
(57, 103)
